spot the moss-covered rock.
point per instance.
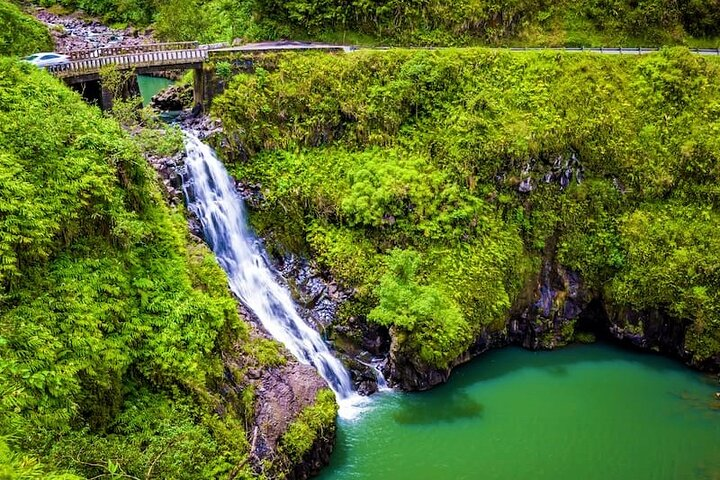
(306, 445)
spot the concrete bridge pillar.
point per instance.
(97, 93)
(91, 91)
(129, 88)
(203, 88)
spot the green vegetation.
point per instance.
(111, 320)
(401, 171)
(437, 329)
(431, 22)
(20, 34)
(309, 426)
(203, 20)
(138, 12)
(503, 22)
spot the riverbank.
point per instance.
(76, 32)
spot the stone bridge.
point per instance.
(84, 71)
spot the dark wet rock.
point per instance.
(204, 127)
(364, 376)
(560, 170)
(317, 297)
(170, 171)
(655, 330)
(251, 193)
(355, 335)
(565, 178)
(409, 374)
(315, 460)
(544, 317)
(169, 168)
(281, 395)
(650, 329)
(173, 98)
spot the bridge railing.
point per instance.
(137, 60)
(130, 49)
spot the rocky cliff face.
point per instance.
(555, 309)
(272, 397)
(173, 98)
(407, 373)
(545, 316)
(656, 331)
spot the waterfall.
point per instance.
(211, 196)
(381, 382)
(375, 365)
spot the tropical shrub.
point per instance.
(111, 320)
(20, 34)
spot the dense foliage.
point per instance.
(427, 22)
(434, 182)
(111, 320)
(20, 34)
(139, 12)
(432, 22)
(202, 20)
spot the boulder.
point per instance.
(173, 98)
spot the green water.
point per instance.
(150, 86)
(580, 413)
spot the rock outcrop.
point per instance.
(174, 98)
(272, 397)
(552, 310)
(545, 314)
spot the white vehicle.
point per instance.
(47, 59)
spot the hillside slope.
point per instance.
(431, 22)
(20, 34)
(121, 348)
(473, 197)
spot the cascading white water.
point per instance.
(381, 382)
(211, 196)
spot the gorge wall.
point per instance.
(467, 199)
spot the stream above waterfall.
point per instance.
(150, 86)
(583, 412)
